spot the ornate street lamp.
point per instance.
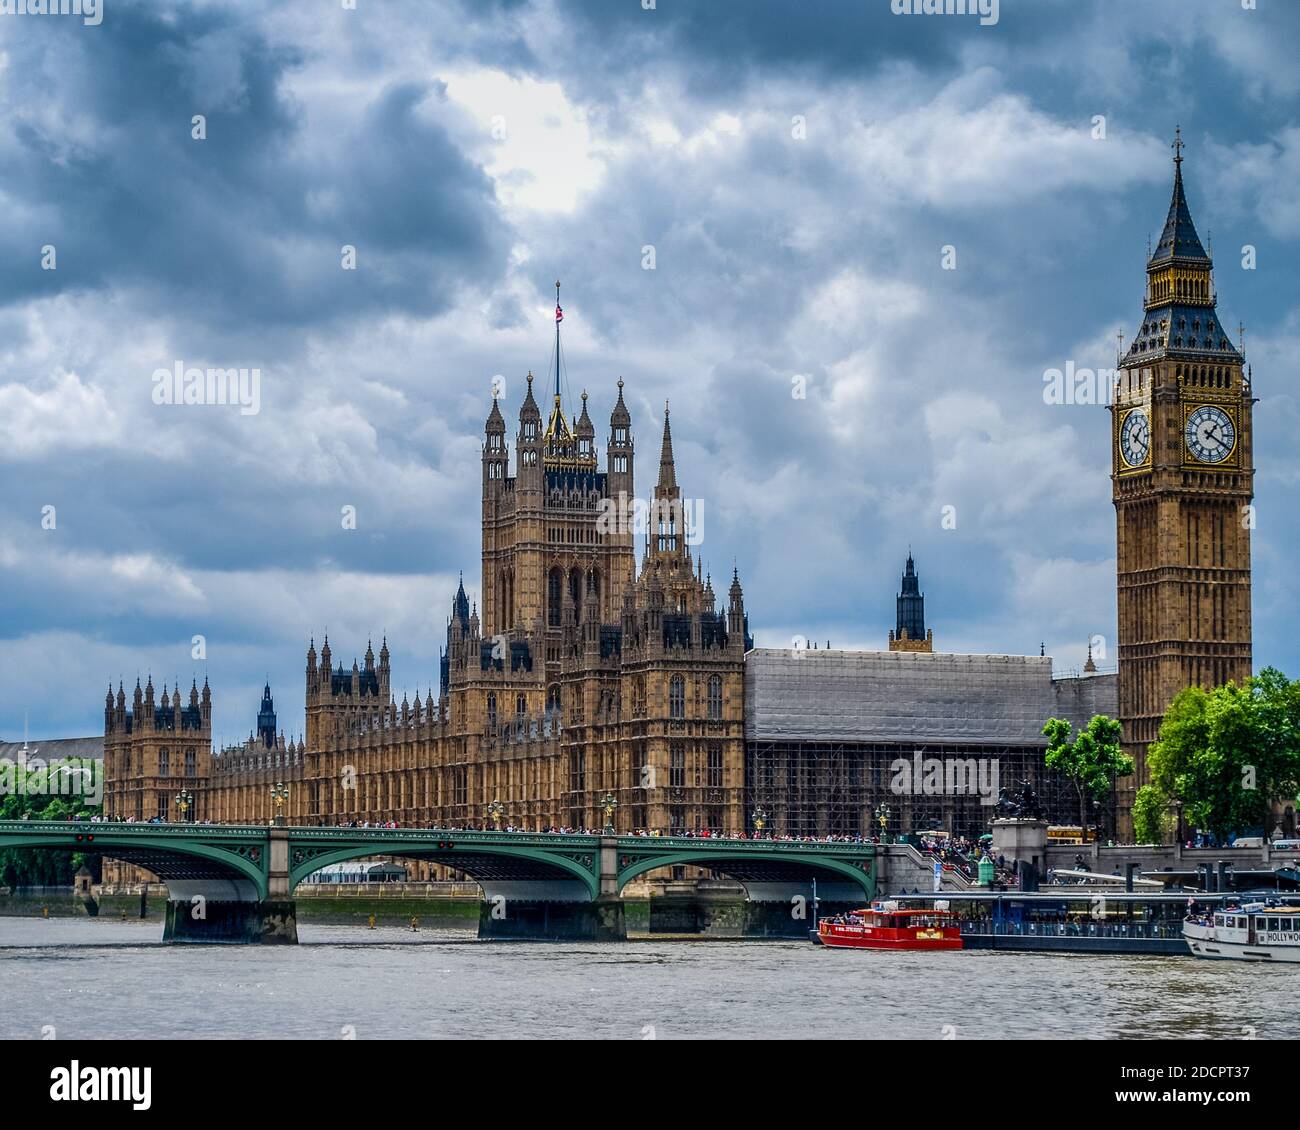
(759, 817)
(279, 794)
(1178, 821)
(184, 801)
(882, 818)
(608, 803)
(495, 811)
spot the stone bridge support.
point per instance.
(559, 910)
(233, 912)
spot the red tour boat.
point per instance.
(887, 926)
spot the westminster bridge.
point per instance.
(228, 883)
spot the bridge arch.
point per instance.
(492, 862)
(757, 867)
(172, 860)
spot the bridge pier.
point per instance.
(722, 909)
(534, 920)
(269, 921)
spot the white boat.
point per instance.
(1253, 932)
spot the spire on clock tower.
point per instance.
(1179, 318)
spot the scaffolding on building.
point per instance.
(839, 741)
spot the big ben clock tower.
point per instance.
(1182, 487)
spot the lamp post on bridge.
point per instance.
(184, 801)
(608, 803)
(759, 817)
(279, 794)
(495, 811)
(882, 818)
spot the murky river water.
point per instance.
(91, 978)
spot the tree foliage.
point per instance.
(1091, 762)
(1227, 754)
(1152, 820)
(31, 799)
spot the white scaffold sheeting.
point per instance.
(897, 696)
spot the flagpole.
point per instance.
(557, 341)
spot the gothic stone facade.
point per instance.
(583, 677)
(1183, 471)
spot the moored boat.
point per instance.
(1257, 931)
(888, 926)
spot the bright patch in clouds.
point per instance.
(537, 145)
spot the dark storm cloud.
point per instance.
(243, 228)
(776, 258)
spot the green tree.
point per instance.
(1091, 762)
(1228, 753)
(34, 795)
(1151, 819)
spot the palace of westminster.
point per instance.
(584, 679)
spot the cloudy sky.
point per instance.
(798, 170)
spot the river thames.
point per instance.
(81, 978)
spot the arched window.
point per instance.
(715, 697)
(677, 697)
(492, 710)
(521, 706)
(554, 595)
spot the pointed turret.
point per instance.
(460, 604)
(1179, 240)
(530, 447)
(619, 452)
(529, 410)
(666, 536)
(667, 485)
(495, 455)
(735, 607)
(266, 718)
(910, 633)
(1179, 319)
(585, 431)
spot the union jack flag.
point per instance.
(559, 312)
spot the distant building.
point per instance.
(52, 749)
(358, 871)
(831, 736)
(910, 633)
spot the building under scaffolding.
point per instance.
(832, 736)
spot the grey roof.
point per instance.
(897, 696)
(55, 748)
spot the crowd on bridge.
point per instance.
(676, 833)
(956, 853)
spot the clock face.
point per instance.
(1135, 437)
(1210, 434)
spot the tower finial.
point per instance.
(1178, 146)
